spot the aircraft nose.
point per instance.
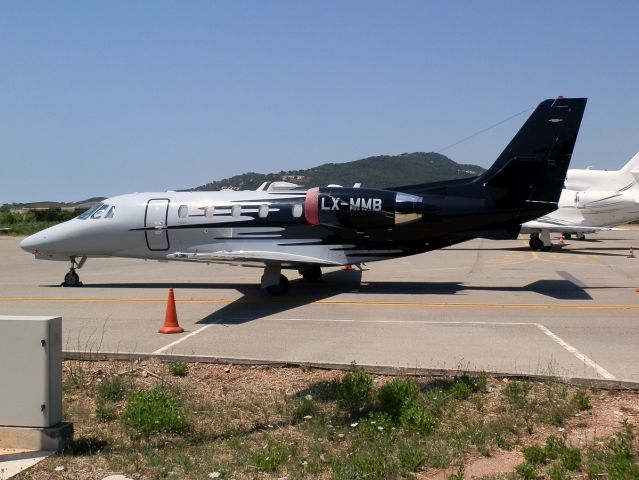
(51, 240)
(32, 243)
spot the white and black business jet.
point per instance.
(285, 228)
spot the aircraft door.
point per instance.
(156, 216)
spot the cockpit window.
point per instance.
(90, 211)
(100, 211)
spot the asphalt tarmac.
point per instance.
(483, 305)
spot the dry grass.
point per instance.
(253, 422)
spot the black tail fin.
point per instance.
(533, 166)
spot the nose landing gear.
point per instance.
(72, 279)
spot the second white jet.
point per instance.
(592, 201)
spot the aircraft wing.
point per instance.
(553, 227)
(251, 258)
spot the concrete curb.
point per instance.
(377, 369)
(51, 439)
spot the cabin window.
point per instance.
(209, 211)
(183, 211)
(263, 211)
(298, 210)
(236, 210)
(100, 211)
(110, 212)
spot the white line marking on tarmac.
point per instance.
(600, 370)
(180, 340)
(418, 322)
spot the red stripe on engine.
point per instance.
(311, 206)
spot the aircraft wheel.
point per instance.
(566, 236)
(311, 274)
(279, 289)
(536, 244)
(581, 236)
(71, 279)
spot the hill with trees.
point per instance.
(372, 172)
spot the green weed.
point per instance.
(458, 475)
(571, 459)
(305, 408)
(415, 418)
(395, 394)
(269, 458)
(526, 471)
(178, 369)
(411, 456)
(535, 455)
(582, 399)
(517, 393)
(105, 413)
(353, 391)
(154, 411)
(556, 472)
(112, 389)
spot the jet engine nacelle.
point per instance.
(361, 208)
(602, 200)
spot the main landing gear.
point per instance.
(578, 236)
(277, 284)
(311, 274)
(273, 281)
(72, 279)
(540, 242)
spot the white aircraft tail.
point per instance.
(632, 165)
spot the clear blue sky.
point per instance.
(103, 98)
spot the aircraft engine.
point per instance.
(602, 200)
(361, 208)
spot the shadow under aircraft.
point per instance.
(254, 304)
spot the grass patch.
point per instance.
(582, 399)
(178, 369)
(112, 389)
(308, 424)
(396, 394)
(269, 458)
(154, 411)
(557, 460)
(353, 392)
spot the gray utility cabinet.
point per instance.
(30, 371)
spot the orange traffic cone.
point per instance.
(170, 319)
(630, 254)
(348, 267)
